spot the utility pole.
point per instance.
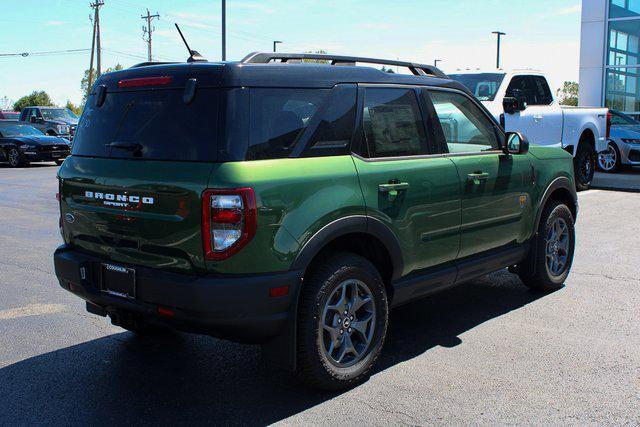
(499, 34)
(96, 7)
(224, 30)
(149, 29)
(275, 43)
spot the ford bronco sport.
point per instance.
(293, 204)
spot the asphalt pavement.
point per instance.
(489, 352)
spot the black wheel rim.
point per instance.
(347, 324)
(585, 168)
(557, 247)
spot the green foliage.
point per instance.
(317, 61)
(568, 95)
(77, 109)
(84, 83)
(35, 98)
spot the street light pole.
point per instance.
(224, 30)
(498, 34)
(435, 62)
(276, 42)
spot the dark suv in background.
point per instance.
(293, 204)
(53, 121)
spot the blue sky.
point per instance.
(542, 34)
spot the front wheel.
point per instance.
(609, 160)
(551, 256)
(15, 158)
(584, 166)
(343, 320)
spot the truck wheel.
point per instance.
(15, 158)
(551, 255)
(343, 316)
(584, 166)
(609, 160)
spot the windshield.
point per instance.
(483, 85)
(13, 130)
(8, 115)
(619, 119)
(58, 114)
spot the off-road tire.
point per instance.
(584, 165)
(325, 277)
(534, 271)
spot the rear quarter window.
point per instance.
(152, 125)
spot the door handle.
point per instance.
(476, 177)
(537, 117)
(393, 187)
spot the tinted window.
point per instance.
(392, 123)
(300, 122)
(466, 128)
(534, 89)
(483, 85)
(155, 125)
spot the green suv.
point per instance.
(293, 203)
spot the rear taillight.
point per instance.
(608, 124)
(229, 220)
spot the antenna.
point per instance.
(194, 56)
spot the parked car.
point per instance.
(21, 144)
(522, 101)
(623, 147)
(9, 115)
(54, 121)
(311, 200)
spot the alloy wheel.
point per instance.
(348, 324)
(14, 157)
(608, 158)
(557, 247)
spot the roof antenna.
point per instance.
(194, 56)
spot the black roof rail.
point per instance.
(416, 69)
(148, 64)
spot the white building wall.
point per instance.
(592, 52)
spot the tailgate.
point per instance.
(135, 212)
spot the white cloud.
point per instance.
(568, 10)
(55, 23)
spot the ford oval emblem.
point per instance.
(70, 218)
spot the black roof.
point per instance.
(278, 74)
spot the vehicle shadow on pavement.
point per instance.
(185, 378)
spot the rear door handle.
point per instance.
(476, 177)
(393, 187)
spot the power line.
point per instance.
(148, 30)
(46, 53)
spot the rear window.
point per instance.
(152, 125)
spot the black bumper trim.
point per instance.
(231, 307)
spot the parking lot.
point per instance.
(485, 352)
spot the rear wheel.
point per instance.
(15, 159)
(342, 322)
(550, 259)
(584, 165)
(609, 160)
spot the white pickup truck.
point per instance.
(522, 101)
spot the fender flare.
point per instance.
(561, 182)
(347, 225)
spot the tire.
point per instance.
(15, 159)
(609, 161)
(329, 359)
(584, 166)
(537, 270)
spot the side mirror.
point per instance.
(516, 143)
(515, 102)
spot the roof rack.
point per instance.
(416, 69)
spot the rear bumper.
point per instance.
(231, 307)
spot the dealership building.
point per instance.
(609, 55)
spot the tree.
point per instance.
(387, 70)
(568, 95)
(77, 109)
(39, 98)
(317, 61)
(85, 80)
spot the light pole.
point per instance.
(435, 62)
(224, 30)
(498, 34)
(275, 43)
